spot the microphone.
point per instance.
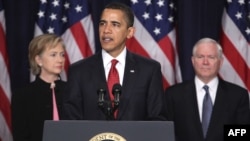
(117, 88)
(101, 92)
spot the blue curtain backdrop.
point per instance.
(195, 19)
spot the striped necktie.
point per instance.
(206, 111)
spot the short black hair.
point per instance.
(125, 9)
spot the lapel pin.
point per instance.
(132, 71)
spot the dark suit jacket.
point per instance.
(231, 107)
(142, 89)
(31, 106)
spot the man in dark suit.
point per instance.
(184, 102)
(141, 78)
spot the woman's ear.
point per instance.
(38, 60)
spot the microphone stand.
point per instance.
(110, 111)
(107, 106)
(116, 91)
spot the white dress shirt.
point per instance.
(120, 66)
(200, 92)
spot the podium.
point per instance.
(80, 130)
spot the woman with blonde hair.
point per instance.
(41, 99)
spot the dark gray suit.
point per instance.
(142, 89)
(231, 107)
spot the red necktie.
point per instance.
(113, 78)
(55, 111)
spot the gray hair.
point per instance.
(208, 40)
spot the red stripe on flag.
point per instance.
(3, 50)
(66, 63)
(165, 83)
(5, 107)
(168, 49)
(236, 60)
(133, 45)
(81, 39)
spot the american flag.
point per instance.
(155, 36)
(5, 93)
(71, 20)
(235, 40)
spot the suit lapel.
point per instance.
(194, 110)
(128, 80)
(219, 107)
(98, 74)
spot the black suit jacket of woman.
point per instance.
(31, 106)
(231, 107)
(141, 96)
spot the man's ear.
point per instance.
(131, 31)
